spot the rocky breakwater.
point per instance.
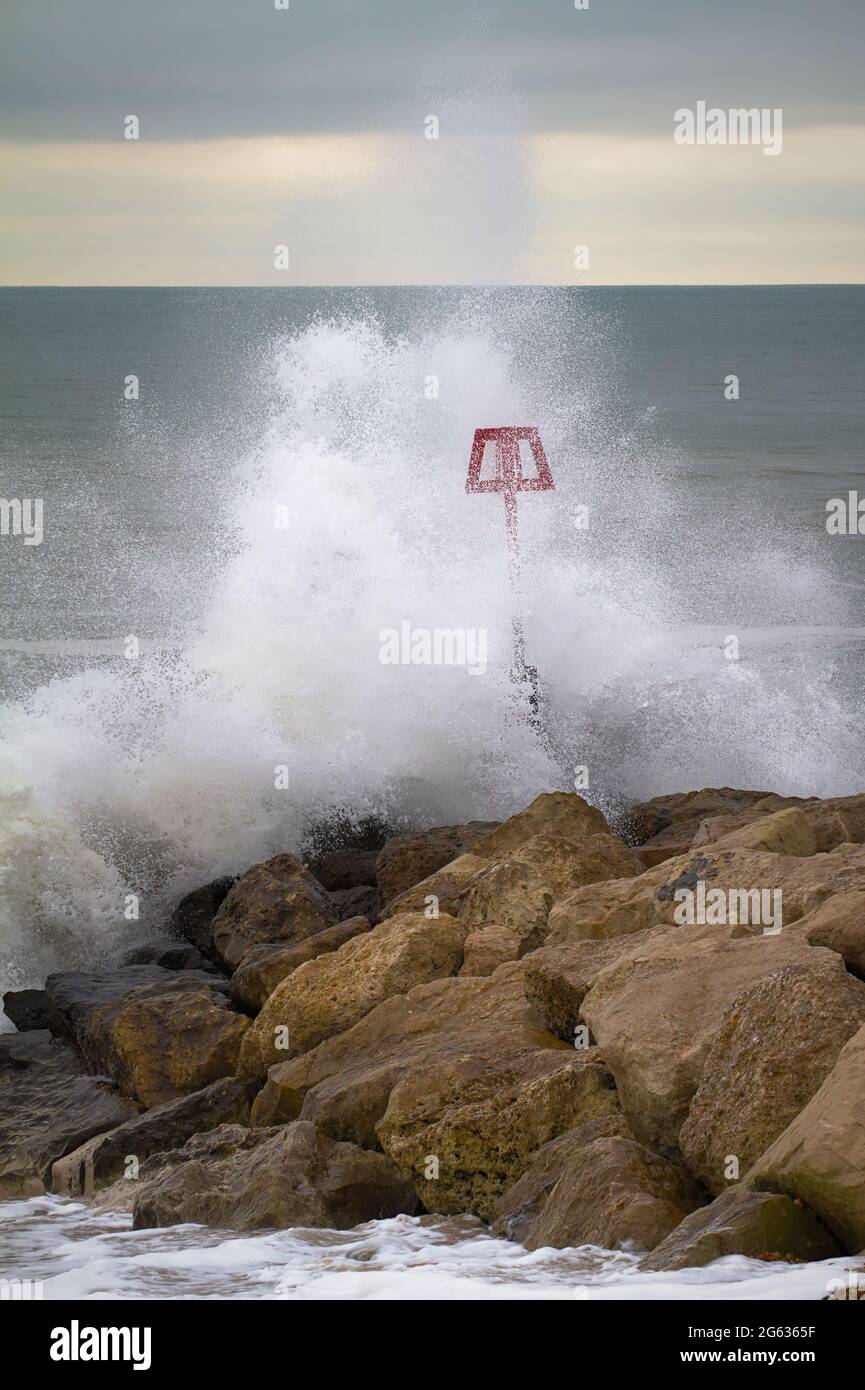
(649, 1035)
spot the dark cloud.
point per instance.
(190, 69)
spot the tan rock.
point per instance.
(614, 1193)
(839, 925)
(407, 859)
(558, 978)
(776, 1045)
(649, 819)
(488, 948)
(277, 902)
(784, 832)
(820, 1157)
(656, 1012)
(740, 1222)
(245, 1180)
(264, 967)
(328, 995)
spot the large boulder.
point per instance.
(169, 953)
(760, 1225)
(656, 1012)
(488, 948)
(192, 919)
(776, 1045)
(106, 1157)
(291, 1175)
(820, 1157)
(277, 902)
(406, 859)
(329, 994)
(666, 825)
(265, 967)
(158, 1033)
(614, 1192)
(456, 1071)
(48, 1106)
(516, 1211)
(519, 891)
(342, 870)
(839, 924)
(27, 1009)
(357, 902)
(559, 977)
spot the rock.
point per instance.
(776, 1045)
(741, 1222)
(820, 1157)
(407, 859)
(48, 1106)
(558, 978)
(515, 1213)
(193, 917)
(656, 1012)
(104, 1158)
(158, 1033)
(784, 832)
(648, 820)
(358, 902)
(26, 1008)
(839, 925)
(342, 870)
(265, 967)
(614, 1192)
(329, 994)
(519, 892)
(837, 821)
(488, 948)
(283, 1177)
(457, 1069)
(168, 953)
(276, 903)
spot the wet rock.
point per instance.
(106, 1157)
(741, 1222)
(265, 967)
(407, 859)
(342, 870)
(26, 1008)
(168, 953)
(615, 1193)
(329, 994)
(776, 1045)
(158, 1033)
(646, 821)
(283, 1177)
(192, 919)
(820, 1157)
(358, 902)
(275, 903)
(48, 1106)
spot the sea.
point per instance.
(241, 492)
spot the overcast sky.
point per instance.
(262, 127)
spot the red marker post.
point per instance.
(509, 481)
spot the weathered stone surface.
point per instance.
(278, 903)
(331, 993)
(488, 948)
(741, 1222)
(358, 902)
(158, 1033)
(407, 859)
(518, 892)
(836, 821)
(648, 819)
(341, 870)
(48, 1106)
(104, 1158)
(265, 967)
(516, 1212)
(614, 1193)
(26, 1008)
(839, 925)
(465, 1055)
(169, 953)
(776, 1045)
(292, 1175)
(783, 832)
(562, 814)
(820, 1157)
(558, 978)
(192, 919)
(656, 1012)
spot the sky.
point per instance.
(307, 128)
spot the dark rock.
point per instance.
(759, 1225)
(168, 953)
(194, 914)
(358, 902)
(408, 859)
(340, 870)
(48, 1106)
(26, 1008)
